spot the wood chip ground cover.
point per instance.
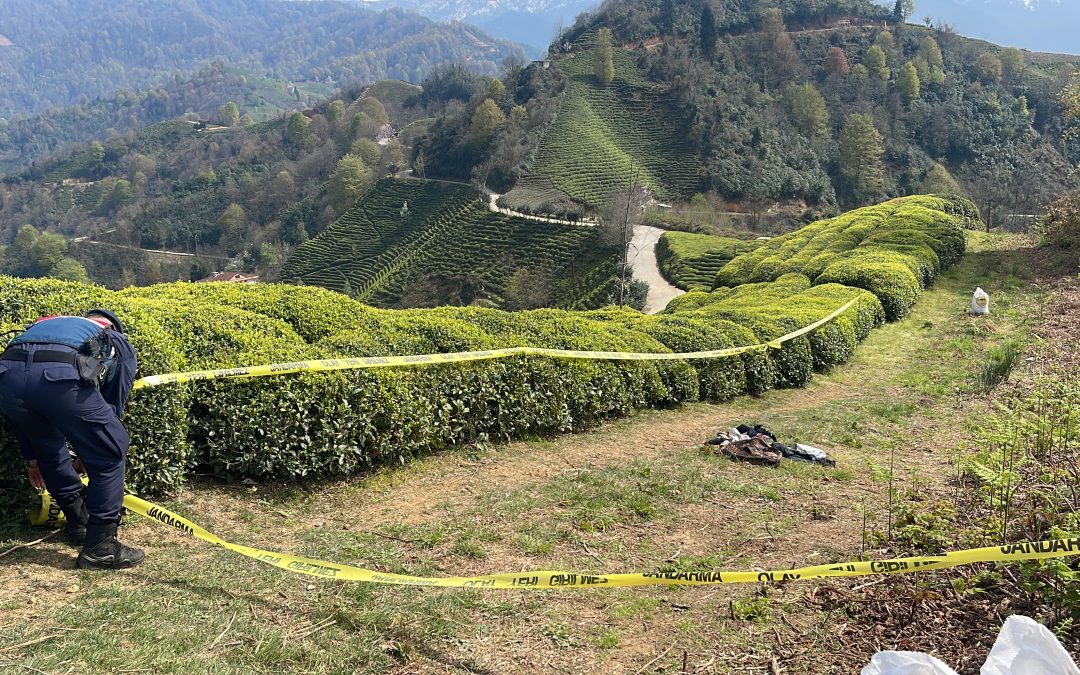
(634, 495)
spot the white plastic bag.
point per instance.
(980, 302)
(1023, 647)
(906, 663)
(1026, 647)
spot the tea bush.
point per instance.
(893, 250)
(324, 424)
(403, 236)
(691, 261)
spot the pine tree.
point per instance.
(931, 51)
(808, 110)
(836, 62)
(877, 63)
(887, 43)
(908, 82)
(902, 10)
(296, 130)
(781, 57)
(229, 115)
(667, 16)
(335, 114)
(233, 222)
(860, 156)
(603, 57)
(708, 31)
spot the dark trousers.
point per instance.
(48, 405)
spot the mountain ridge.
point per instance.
(142, 44)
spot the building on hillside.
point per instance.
(231, 278)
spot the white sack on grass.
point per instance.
(1023, 647)
(980, 302)
(817, 453)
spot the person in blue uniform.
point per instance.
(66, 379)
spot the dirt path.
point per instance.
(493, 206)
(642, 257)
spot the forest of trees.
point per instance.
(167, 65)
(73, 51)
(248, 192)
(25, 139)
(783, 110)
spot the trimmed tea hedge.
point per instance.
(691, 261)
(893, 250)
(340, 423)
(333, 424)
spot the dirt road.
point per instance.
(642, 257)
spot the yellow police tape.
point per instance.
(49, 514)
(547, 579)
(325, 365)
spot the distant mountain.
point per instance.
(533, 23)
(201, 95)
(1038, 25)
(67, 51)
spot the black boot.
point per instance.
(76, 515)
(103, 551)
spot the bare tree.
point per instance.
(622, 212)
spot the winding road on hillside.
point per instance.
(642, 258)
(641, 253)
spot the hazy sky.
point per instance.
(1038, 25)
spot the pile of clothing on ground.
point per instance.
(758, 445)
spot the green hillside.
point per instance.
(244, 429)
(407, 241)
(691, 261)
(602, 137)
(785, 109)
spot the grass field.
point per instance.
(633, 495)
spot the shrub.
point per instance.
(691, 261)
(892, 249)
(340, 423)
(1060, 227)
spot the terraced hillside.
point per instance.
(691, 261)
(380, 250)
(602, 135)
